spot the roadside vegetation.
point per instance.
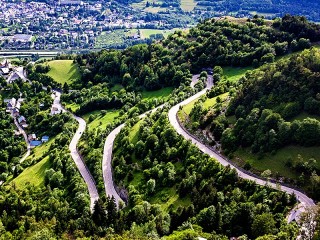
(171, 189)
(273, 128)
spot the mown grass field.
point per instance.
(186, 109)
(154, 9)
(277, 162)
(72, 106)
(35, 174)
(145, 33)
(187, 5)
(212, 101)
(133, 135)
(63, 71)
(158, 94)
(100, 120)
(234, 74)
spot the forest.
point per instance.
(212, 42)
(265, 104)
(173, 191)
(157, 161)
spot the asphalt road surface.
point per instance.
(85, 173)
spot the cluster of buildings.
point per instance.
(9, 72)
(34, 141)
(13, 107)
(65, 24)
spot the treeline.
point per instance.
(286, 88)
(12, 146)
(270, 9)
(157, 161)
(212, 42)
(92, 141)
(265, 104)
(49, 211)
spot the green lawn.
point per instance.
(161, 93)
(34, 174)
(234, 74)
(73, 106)
(154, 9)
(145, 33)
(212, 101)
(133, 135)
(187, 5)
(167, 197)
(208, 103)
(101, 120)
(276, 162)
(139, 5)
(63, 71)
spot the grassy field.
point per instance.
(234, 74)
(63, 71)
(72, 106)
(187, 5)
(139, 5)
(276, 162)
(34, 174)
(167, 197)
(186, 109)
(117, 36)
(145, 33)
(158, 94)
(212, 101)
(154, 9)
(100, 120)
(133, 135)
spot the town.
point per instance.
(73, 24)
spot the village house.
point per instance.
(22, 120)
(22, 38)
(4, 71)
(45, 139)
(16, 112)
(35, 143)
(55, 110)
(11, 104)
(13, 77)
(32, 137)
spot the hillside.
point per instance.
(63, 71)
(69, 188)
(272, 120)
(212, 42)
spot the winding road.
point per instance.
(109, 184)
(85, 173)
(108, 146)
(21, 130)
(304, 200)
